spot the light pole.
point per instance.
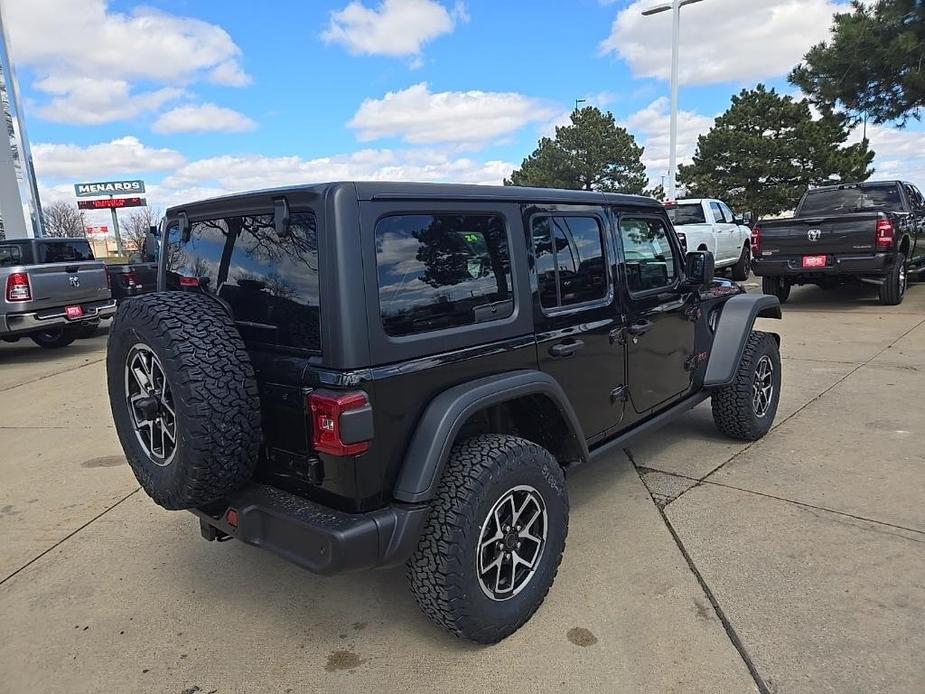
(675, 7)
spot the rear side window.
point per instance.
(65, 252)
(647, 252)
(568, 255)
(269, 281)
(439, 271)
(10, 255)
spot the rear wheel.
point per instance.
(55, 338)
(745, 409)
(744, 265)
(776, 286)
(183, 397)
(494, 539)
(894, 284)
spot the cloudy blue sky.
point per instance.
(201, 97)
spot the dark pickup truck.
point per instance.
(871, 232)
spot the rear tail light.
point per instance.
(682, 237)
(756, 242)
(108, 277)
(18, 287)
(128, 279)
(884, 235)
(331, 433)
(189, 282)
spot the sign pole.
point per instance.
(115, 228)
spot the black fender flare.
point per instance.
(736, 319)
(433, 439)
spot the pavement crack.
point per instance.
(51, 375)
(68, 536)
(731, 633)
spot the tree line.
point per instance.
(62, 219)
(767, 148)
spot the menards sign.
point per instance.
(90, 190)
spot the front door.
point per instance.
(577, 322)
(659, 336)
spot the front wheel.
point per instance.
(743, 265)
(55, 338)
(494, 539)
(745, 409)
(776, 286)
(893, 288)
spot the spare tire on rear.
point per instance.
(184, 398)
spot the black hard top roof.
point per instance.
(376, 190)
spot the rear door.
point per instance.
(659, 335)
(66, 273)
(577, 320)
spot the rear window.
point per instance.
(440, 271)
(10, 255)
(863, 198)
(687, 213)
(269, 281)
(64, 252)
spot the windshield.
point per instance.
(862, 198)
(686, 213)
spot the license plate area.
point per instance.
(814, 261)
(72, 312)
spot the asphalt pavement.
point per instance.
(794, 564)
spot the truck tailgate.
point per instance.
(842, 235)
(62, 284)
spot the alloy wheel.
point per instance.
(150, 405)
(763, 386)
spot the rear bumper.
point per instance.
(313, 536)
(870, 265)
(43, 319)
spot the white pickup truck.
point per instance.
(709, 225)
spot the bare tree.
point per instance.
(63, 219)
(136, 227)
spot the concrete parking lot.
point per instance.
(794, 564)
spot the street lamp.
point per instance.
(675, 6)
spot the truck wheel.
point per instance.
(744, 264)
(55, 338)
(776, 286)
(492, 545)
(894, 284)
(745, 408)
(183, 398)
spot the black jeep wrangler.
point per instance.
(354, 375)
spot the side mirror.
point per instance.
(700, 268)
(745, 219)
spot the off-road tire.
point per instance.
(442, 571)
(87, 329)
(776, 286)
(894, 284)
(743, 266)
(214, 393)
(733, 411)
(55, 338)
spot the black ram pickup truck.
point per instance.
(871, 232)
(354, 375)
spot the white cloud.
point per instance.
(202, 119)
(125, 155)
(395, 28)
(86, 57)
(420, 116)
(91, 101)
(721, 40)
(900, 152)
(650, 126)
(239, 173)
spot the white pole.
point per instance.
(673, 117)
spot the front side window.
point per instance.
(569, 259)
(270, 281)
(648, 255)
(10, 255)
(727, 213)
(65, 252)
(718, 212)
(439, 271)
